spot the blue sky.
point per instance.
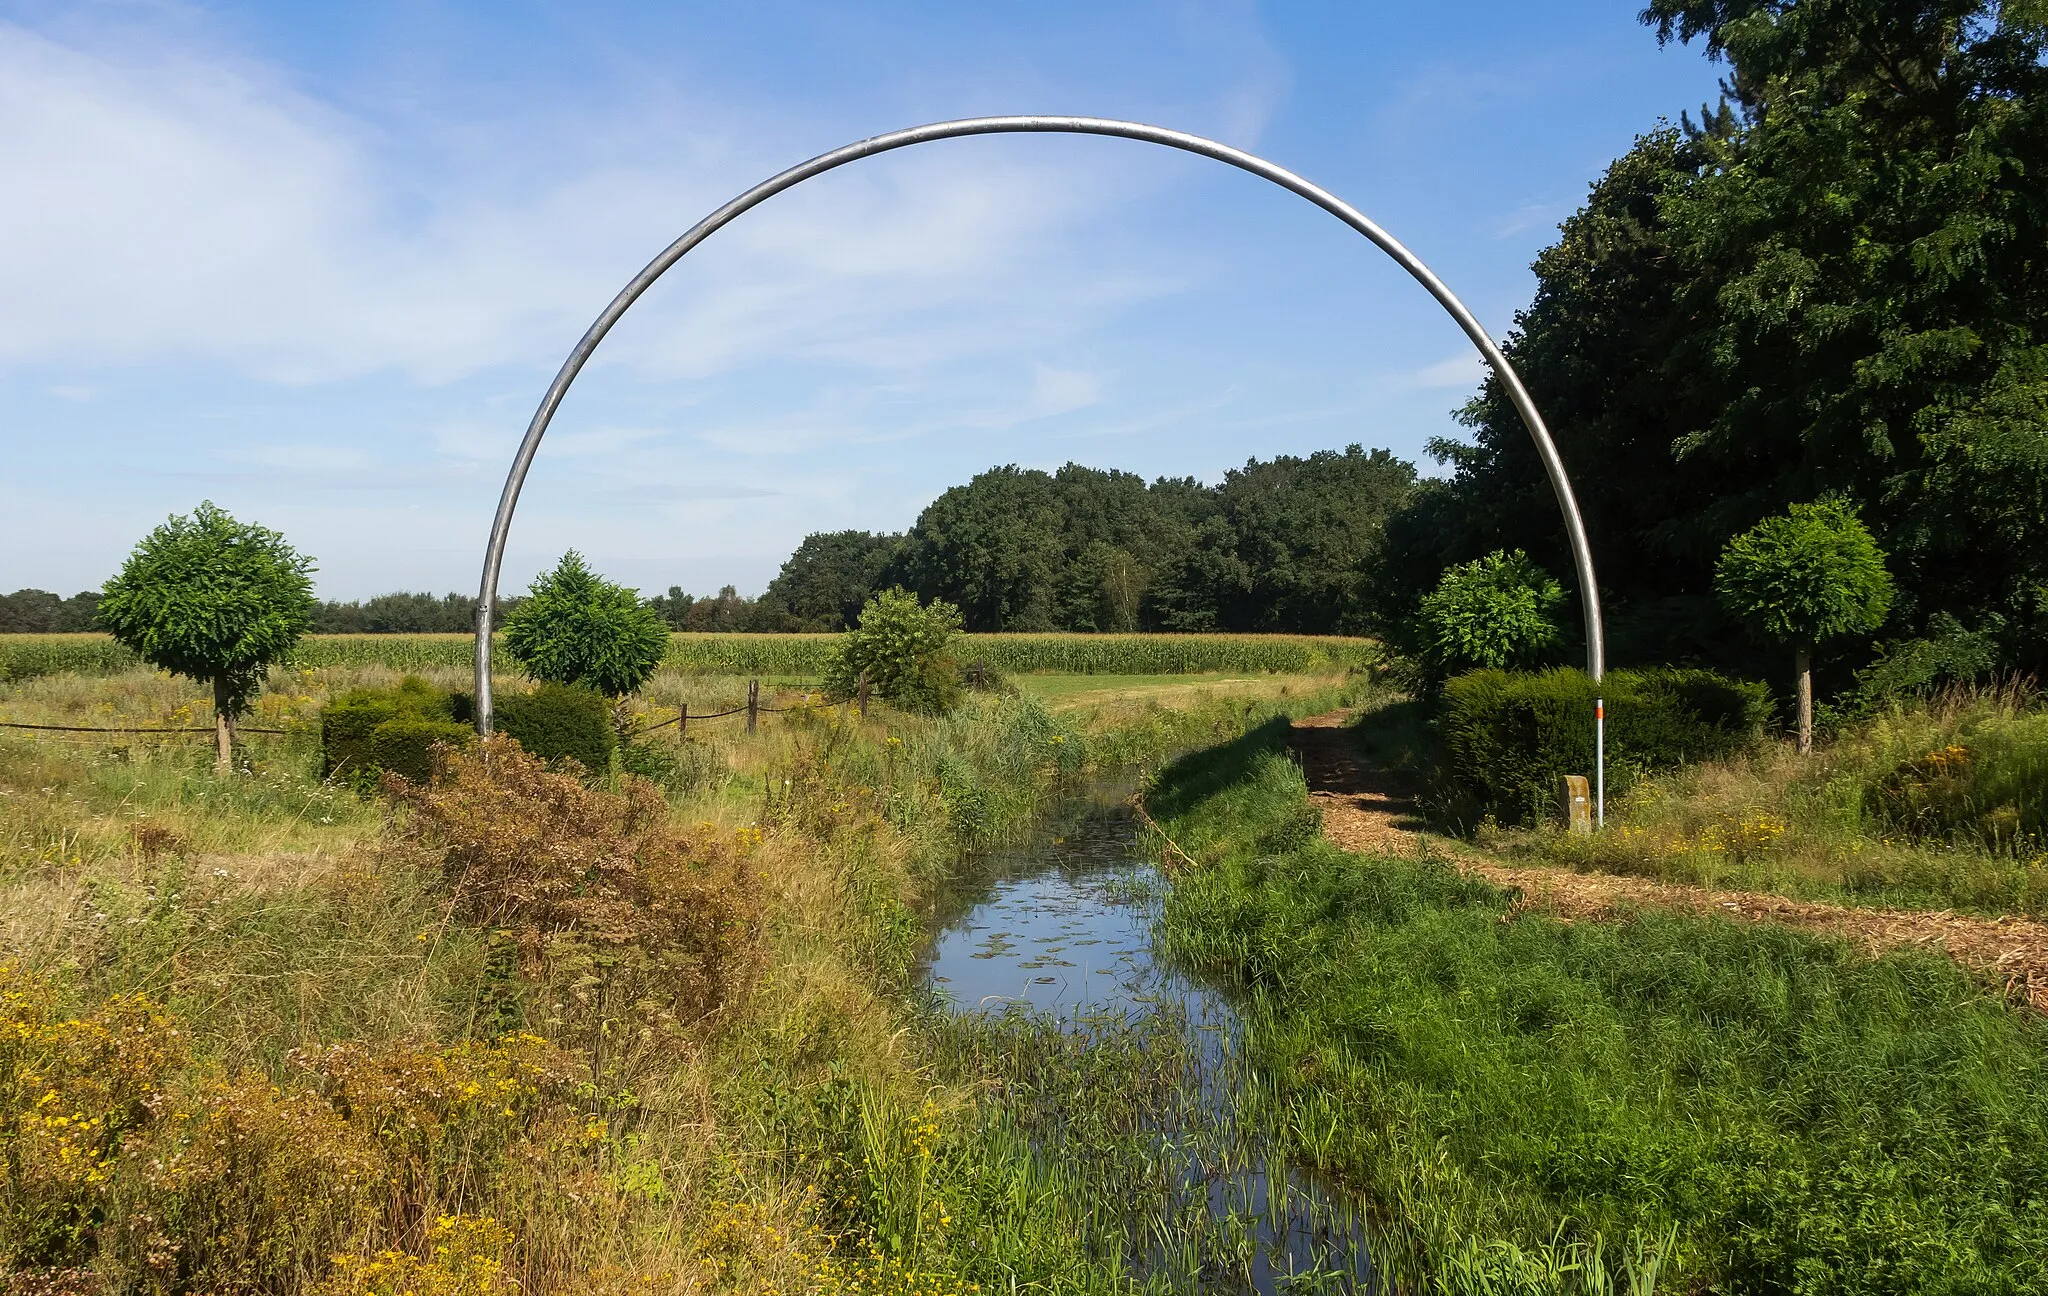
(318, 262)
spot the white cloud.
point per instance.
(189, 204)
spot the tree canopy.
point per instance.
(1283, 545)
(214, 600)
(1835, 282)
(1806, 576)
(575, 627)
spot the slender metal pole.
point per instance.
(1599, 762)
(1553, 466)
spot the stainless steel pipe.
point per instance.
(1553, 467)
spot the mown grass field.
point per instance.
(796, 657)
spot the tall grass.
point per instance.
(1516, 1092)
(1937, 803)
(789, 656)
(349, 1053)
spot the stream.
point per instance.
(1060, 924)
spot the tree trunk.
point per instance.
(223, 727)
(1803, 663)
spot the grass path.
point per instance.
(1366, 809)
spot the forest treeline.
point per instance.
(1833, 284)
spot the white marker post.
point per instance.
(1599, 762)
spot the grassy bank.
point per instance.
(1942, 804)
(523, 1031)
(788, 656)
(1761, 1111)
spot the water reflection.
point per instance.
(1061, 925)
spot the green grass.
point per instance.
(269, 914)
(795, 656)
(1932, 805)
(1798, 1117)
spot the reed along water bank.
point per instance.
(1119, 1070)
(529, 1029)
(1534, 1105)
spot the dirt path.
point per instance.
(1363, 810)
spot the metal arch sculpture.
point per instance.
(1560, 484)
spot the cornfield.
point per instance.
(777, 655)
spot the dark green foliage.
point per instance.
(1810, 1120)
(402, 614)
(1285, 546)
(558, 721)
(903, 647)
(34, 611)
(725, 613)
(1508, 737)
(1495, 613)
(830, 577)
(1292, 544)
(575, 627)
(211, 599)
(366, 732)
(1020, 549)
(1835, 284)
(1947, 655)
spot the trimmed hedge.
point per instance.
(558, 720)
(366, 732)
(1509, 736)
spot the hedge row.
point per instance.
(366, 732)
(1508, 737)
(794, 655)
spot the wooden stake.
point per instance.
(863, 695)
(753, 702)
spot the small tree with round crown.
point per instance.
(1802, 578)
(214, 600)
(576, 627)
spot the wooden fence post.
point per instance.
(863, 694)
(683, 721)
(753, 702)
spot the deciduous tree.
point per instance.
(1802, 578)
(214, 600)
(575, 627)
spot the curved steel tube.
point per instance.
(494, 555)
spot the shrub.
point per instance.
(1495, 613)
(1508, 737)
(366, 732)
(575, 627)
(536, 851)
(561, 721)
(902, 646)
